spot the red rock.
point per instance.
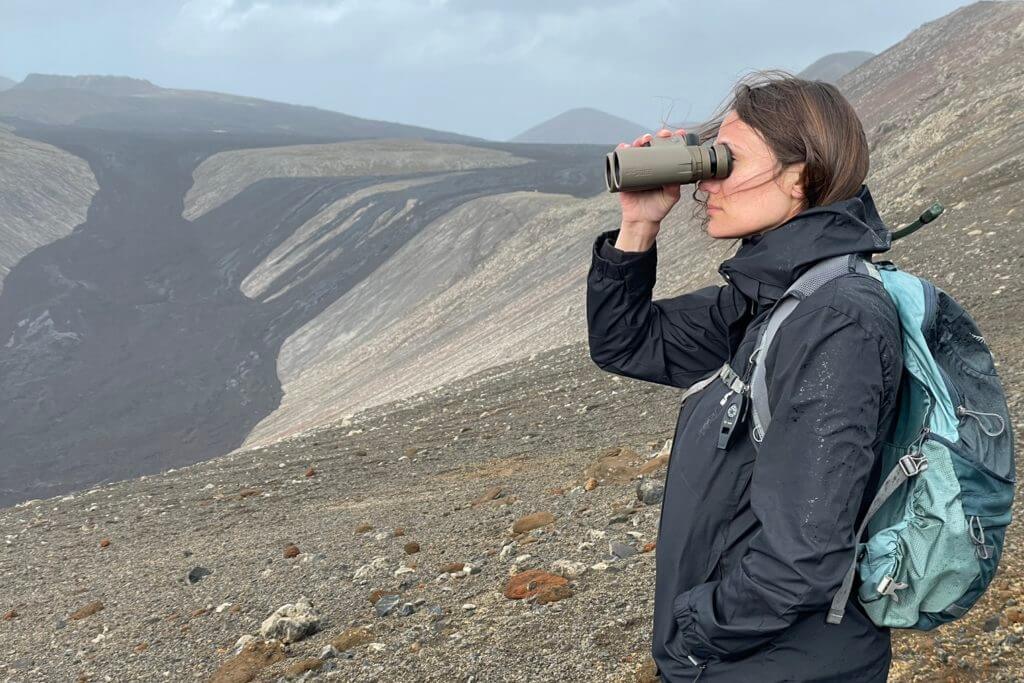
(590, 484)
(291, 550)
(363, 528)
(451, 567)
(105, 542)
(412, 547)
(531, 582)
(245, 493)
(11, 614)
(649, 546)
(533, 521)
(310, 472)
(88, 610)
(375, 595)
(399, 531)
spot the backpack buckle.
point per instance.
(889, 586)
(913, 463)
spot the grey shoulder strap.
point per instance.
(817, 275)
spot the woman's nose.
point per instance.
(709, 186)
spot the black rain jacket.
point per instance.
(753, 545)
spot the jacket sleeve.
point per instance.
(675, 341)
(826, 390)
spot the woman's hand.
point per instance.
(643, 210)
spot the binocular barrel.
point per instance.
(665, 161)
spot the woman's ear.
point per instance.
(792, 180)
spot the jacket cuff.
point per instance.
(637, 267)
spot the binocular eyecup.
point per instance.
(665, 161)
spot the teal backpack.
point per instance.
(937, 522)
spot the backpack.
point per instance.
(937, 522)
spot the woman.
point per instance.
(751, 550)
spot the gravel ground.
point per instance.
(451, 470)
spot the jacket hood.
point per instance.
(767, 263)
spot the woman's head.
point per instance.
(796, 144)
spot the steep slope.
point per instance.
(44, 193)
(945, 125)
(178, 324)
(582, 126)
(6, 83)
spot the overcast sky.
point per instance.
(490, 68)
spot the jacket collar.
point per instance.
(767, 263)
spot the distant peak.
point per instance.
(105, 85)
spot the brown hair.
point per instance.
(800, 121)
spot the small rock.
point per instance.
(451, 567)
(291, 622)
(291, 550)
(105, 542)
(529, 583)
(650, 492)
(590, 484)
(991, 624)
(87, 610)
(532, 521)
(386, 604)
(621, 550)
(196, 574)
(569, 569)
(363, 528)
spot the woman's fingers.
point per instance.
(664, 133)
(681, 131)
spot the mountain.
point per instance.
(466, 397)
(201, 254)
(583, 126)
(132, 104)
(832, 67)
(6, 83)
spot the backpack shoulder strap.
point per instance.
(817, 275)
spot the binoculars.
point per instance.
(665, 161)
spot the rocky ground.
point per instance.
(395, 536)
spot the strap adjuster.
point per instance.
(913, 463)
(731, 379)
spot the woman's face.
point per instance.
(749, 200)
